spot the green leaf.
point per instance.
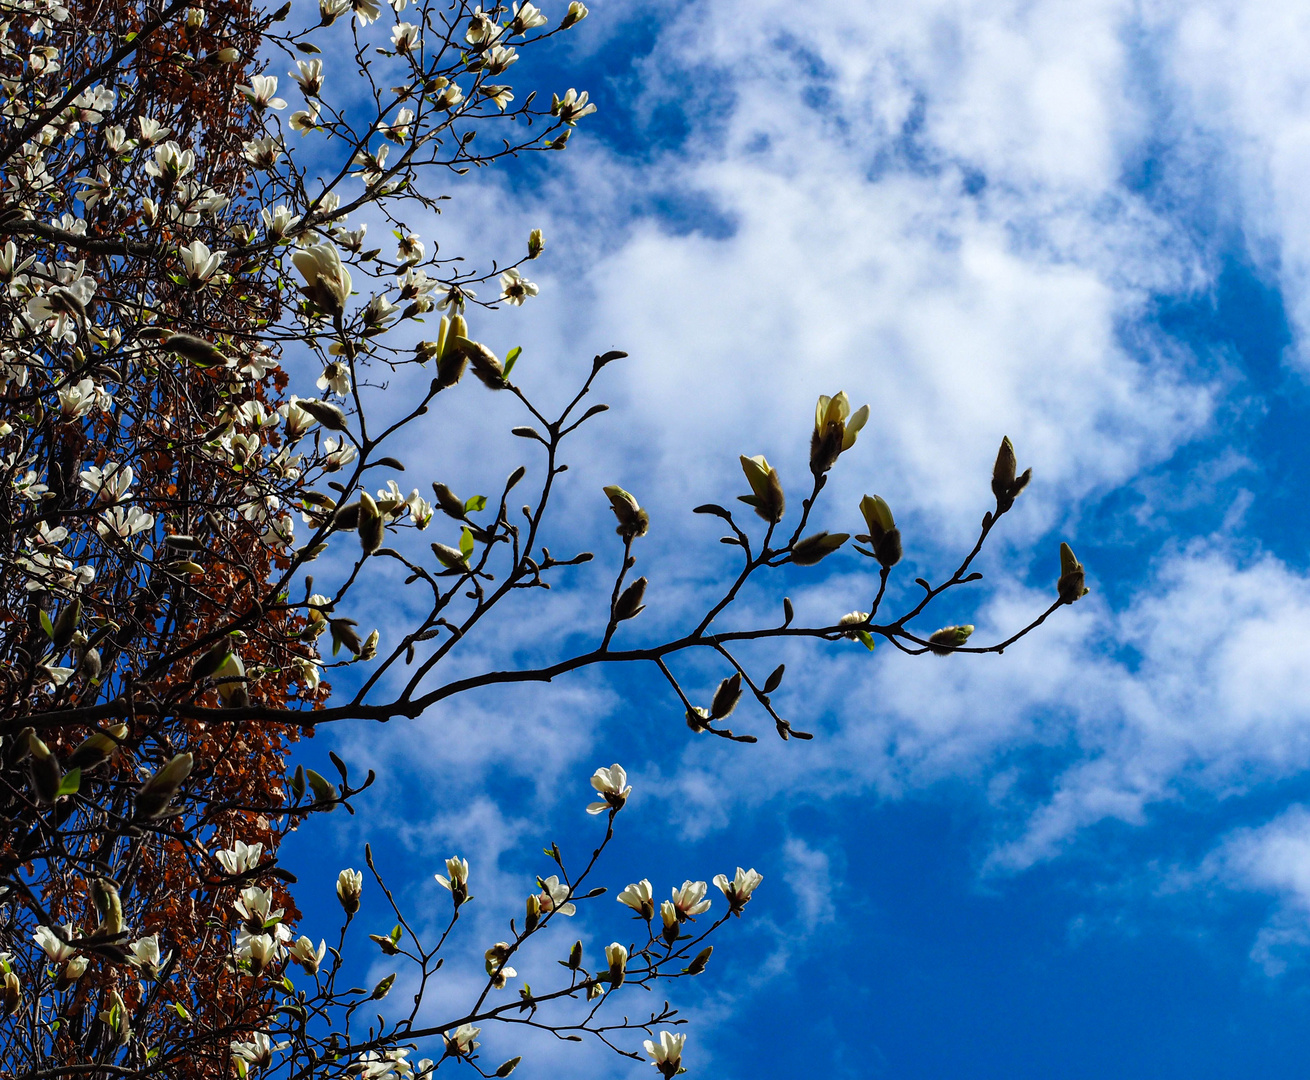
(180, 1009)
(47, 626)
(473, 505)
(866, 639)
(512, 358)
(71, 782)
(466, 543)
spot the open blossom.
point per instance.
(404, 36)
(482, 29)
(338, 453)
(689, 901)
(835, 429)
(738, 890)
(612, 783)
(78, 399)
(262, 93)
(336, 378)
(262, 153)
(255, 905)
(500, 96)
(200, 264)
(124, 522)
(496, 957)
(110, 484)
(304, 954)
(554, 893)
(458, 881)
(462, 1040)
(666, 1054)
(526, 17)
(240, 857)
(309, 74)
(55, 945)
(572, 107)
(170, 162)
(257, 950)
(152, 131)
(640, 898)
(144, 956)
(255, 1052)
(515, 288)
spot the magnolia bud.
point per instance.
(325, 413)
(350, 886)
(13, 991)
(726, 697)
(633, 520)
(883, 535)
(536, 243)
(575, 956)
(818, 546)
(617, 956)
(66, 625)
(104, 894)
(533, 916)
(89, 665)
(766, 489)
(371, 525)
(508, 1067)
(46, 774)
(157, 792)
(199, 351)
(97, 748)
(949, 638)
(1005, 486)
(1071, 585)
(702, 958)
(575, 14)
(629, 604)
(449, 502)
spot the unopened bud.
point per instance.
(371, 525)
(575, 956)
(818, 546)
(633, 520)
(1072, 584)
(629, 604)
(46, 774)
(533, 915)
(702, 958)
(1005, 485)
(536, 243)
(156, 793)
(949, 638)
(726, 697)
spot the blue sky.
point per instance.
(1083, 225)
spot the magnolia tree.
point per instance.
(184, 530)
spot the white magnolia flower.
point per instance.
(309, 958)
(499, 95)
(124, 522)
(738, 890)
(309, 74)
(170, 163)
(255, 905)
(462, 1040)
(261, 93)
(257, 950)
(410, 249)
(327, 281)
(200, 263)
(640, 898)
(498, 60)
(482, 29)
(404, 36)
(27, 487)
(303, 121)
(240, 857)
(262, 153)
(152, 131)
(307, 671)
(515, 288)
(554, 893)
(572, 107)
(690, 900)
(612, 783)
(338, 453)
(576, 13)
(278, 220)
(111, 484)
(458, 869)
(145, 956)
(336, 378)
(255, 1052)
(666, 1055)
(350, 886)
(616, 955)
(77, 399)
(526, 17)
(55, 945)
(366, 11)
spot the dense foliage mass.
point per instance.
(166, 497)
